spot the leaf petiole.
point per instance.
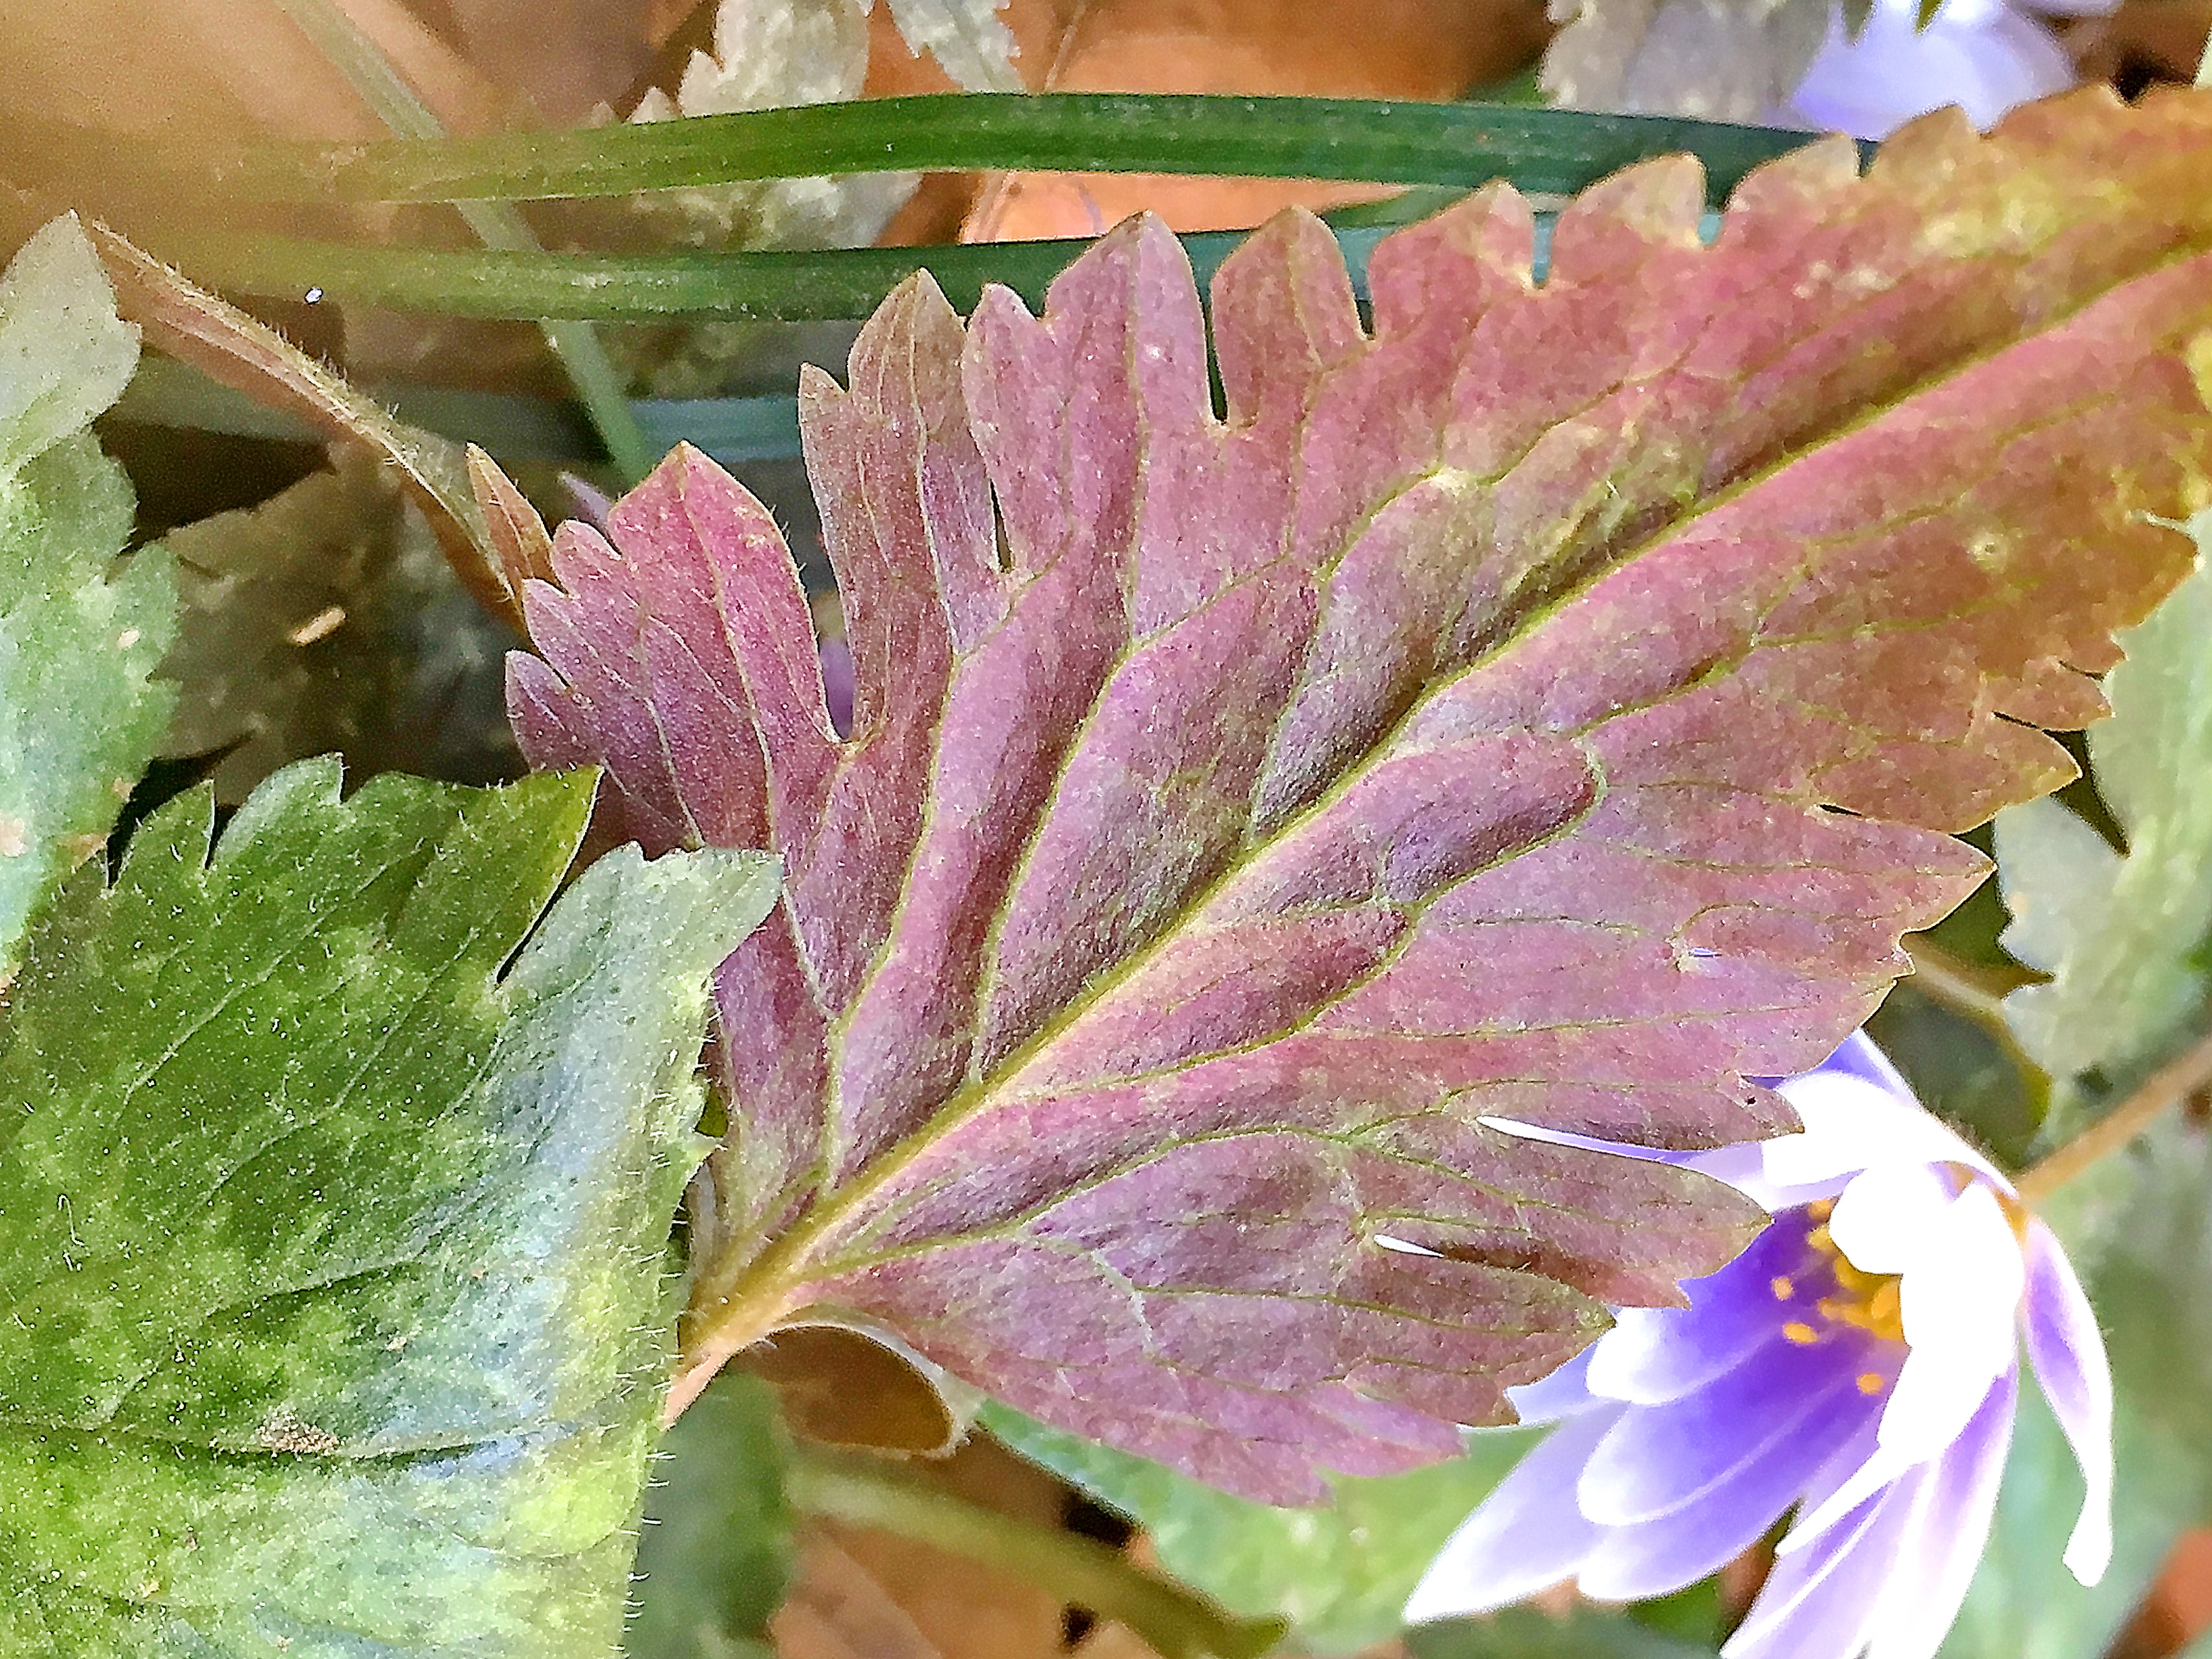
(2173, 1082)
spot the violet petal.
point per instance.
(1659, 1457)
(1658, 1556)
(2067, 1352)
(1653, 1355)
(1526, 1536)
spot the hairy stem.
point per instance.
(2176, 1080)
(868, 1491)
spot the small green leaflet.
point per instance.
(336, 1291)
(78, 639)
(2122, 936)
(713, 1558)
(1339, 1575)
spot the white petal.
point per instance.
(1957, 1306)
(2067, 1352)
(1852, 1124)
(1936, 1561)
(1889, 1217)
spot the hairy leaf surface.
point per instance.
(333, 1262)
(78, 638)
(1544, 704)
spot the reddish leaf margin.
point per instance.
(1544, 705)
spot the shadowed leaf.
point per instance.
(714, 1555)
(1339, 1576)
(1546, 706)
(326, 619)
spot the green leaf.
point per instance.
(337, 1303)
(1339, 1575)
(2121, 936)
(1524, 1633)
(78, 638)
(2138, 1228)
(714, 1555)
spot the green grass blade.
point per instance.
(1546, 150)
(496, 223)
(831, 284)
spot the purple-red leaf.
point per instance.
(1543, 705)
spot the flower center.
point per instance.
(1838, 1294)
(1869, 1300)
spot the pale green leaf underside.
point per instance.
(78, 718)
(2121, 935)
(333, 1262)
(965, 37)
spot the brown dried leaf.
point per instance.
(861, 1594)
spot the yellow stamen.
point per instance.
(1871, 1382)
(1799, 1333)
(1869, 1300)
(1784, 1289)
(1820, 1208)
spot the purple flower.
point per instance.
(1858, 1361)
(1983, 55)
